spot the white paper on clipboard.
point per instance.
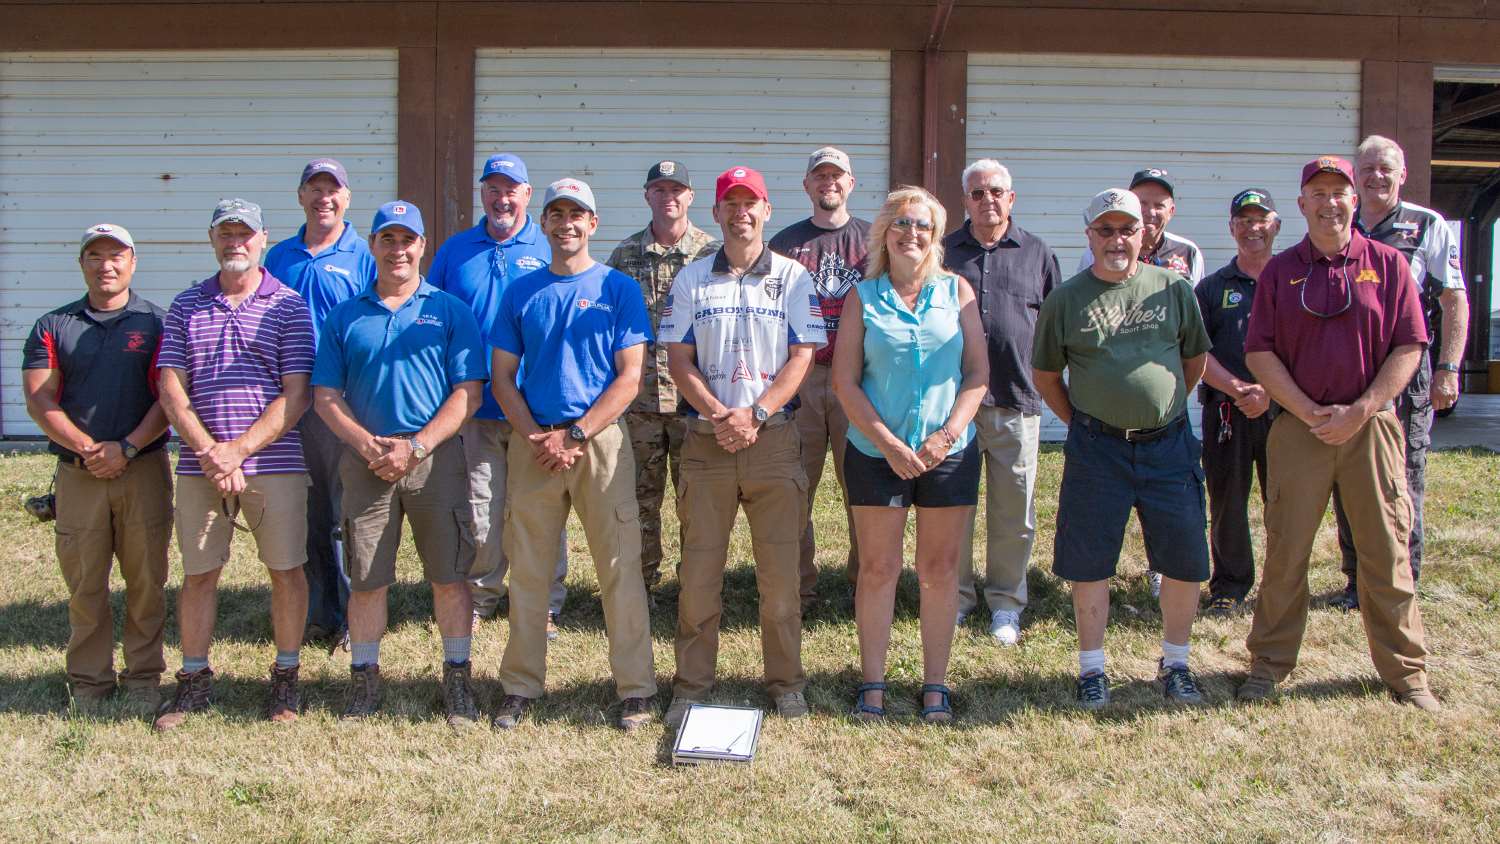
(726, 733)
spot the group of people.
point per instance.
(324, 388)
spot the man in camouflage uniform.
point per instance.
(653, 256)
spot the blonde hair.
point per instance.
(904, 196)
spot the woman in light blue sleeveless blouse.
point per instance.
(910, 372)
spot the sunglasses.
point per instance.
(979, 194)
(908, 224)
(1108, 232)
(1328, 293)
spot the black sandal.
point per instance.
(863, 711)
(942, 713)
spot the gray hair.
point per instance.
(986, 165)
(1381, 145)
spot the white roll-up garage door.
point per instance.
(605, 116)
(151, 141)
(1068, 126)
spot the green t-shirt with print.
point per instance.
(1122, 344)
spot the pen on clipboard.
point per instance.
(729, 748)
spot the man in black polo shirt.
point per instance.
(1011, 271)
(114, 486)
(1237, 411)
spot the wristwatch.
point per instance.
(1446, 367)
(576, 434)
(418, 450)
(760, 413)
(128, 450)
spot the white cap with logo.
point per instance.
(1112, 200)
(109, 230)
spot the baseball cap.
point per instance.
(829, 155)
(505, 164)
(1154, 174)
(398, 213)
(1252, 198)
(109, 230)
(571, 189)
(737, 176)
(672, 171)
(1112, 199)
(325, 165)
(1327, 164)
(237, 211)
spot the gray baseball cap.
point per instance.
(570, 189)
(238, 211)
(1112, 199)
(109, 230)
(829, 155)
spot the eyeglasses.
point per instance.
(907, 224)
(1348, 292)
(978, 194)
(1253, 222)
(1108, 232)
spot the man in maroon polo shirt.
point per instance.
(1335, 334)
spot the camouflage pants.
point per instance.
(656, 439)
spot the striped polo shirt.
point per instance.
(235, 358)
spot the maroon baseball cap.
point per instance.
(1328, 164)
(736, 176)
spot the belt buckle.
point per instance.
(1130, 434)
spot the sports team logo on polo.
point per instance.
(774, 286)
(1367, 276)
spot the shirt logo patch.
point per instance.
(594, 305)
(1296, 281)
(330, 268)
(666, 307)
(1115, 321)
(1233, 298)
(1453, 257)
(1367, 276)
(774, 286)
(813, 309)
(528, 262)
(427, 319)
(741, 373)
(135, 341)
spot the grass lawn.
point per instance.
(1331, 760)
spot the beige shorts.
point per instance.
(273, 508)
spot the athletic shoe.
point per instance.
(1178, 684)
(1093, 691)
(1005, 626)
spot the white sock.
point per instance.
(1090, 662)
(1174, 655)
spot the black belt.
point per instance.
(1130, 435)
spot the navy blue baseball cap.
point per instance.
(398, 213)
(325, 165)
(507, 165)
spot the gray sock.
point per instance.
(288, 659)
(194, 664)
(364, 653)
(456, 649)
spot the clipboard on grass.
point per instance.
(717, 734)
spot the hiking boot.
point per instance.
(1093, 691)
(552, 630)
(458, 696)
(1255, 689)
(85, 705)
(1422, 699)
(1224, 606)
(194, 692)
(791, 705)
(635, 713)
(364, 691)
(142, 700)
(510, 712)
(1178, 684)
(1348, 600)
(677, 711)
(285, 702)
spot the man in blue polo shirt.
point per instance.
(399, 370)
(578, 332)
(326, 262)
(477, 265)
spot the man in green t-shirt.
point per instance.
(1134, 344)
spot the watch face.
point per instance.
(576, 433)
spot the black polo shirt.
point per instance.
(1010, 280)
(1224, 299)
(107, 365)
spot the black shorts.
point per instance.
(871, 482)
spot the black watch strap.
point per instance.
(127, 449)
(1445, 367)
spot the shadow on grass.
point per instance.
(244, 615)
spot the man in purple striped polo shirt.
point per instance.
(236, 357)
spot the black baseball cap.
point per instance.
(1252, 198)
(672, 171)
(1153, 174)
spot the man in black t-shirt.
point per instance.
(831, 244)
(114, 485)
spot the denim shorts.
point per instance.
(1105, 477)
(952, 483)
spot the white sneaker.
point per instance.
(1005, 626)
(1155, 580)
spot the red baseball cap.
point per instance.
(736, 176)
(1328, 164)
